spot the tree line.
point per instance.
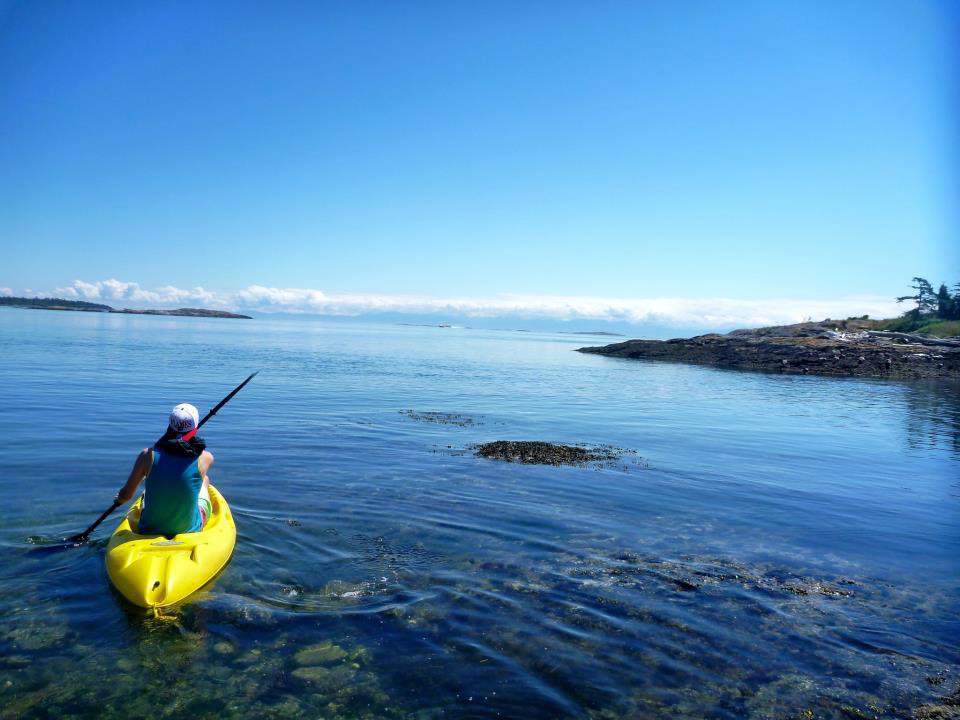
(933, 304)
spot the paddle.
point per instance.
(85, 535)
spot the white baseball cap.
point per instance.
(184, 418)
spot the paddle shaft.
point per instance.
(82, 537)
(216, 408)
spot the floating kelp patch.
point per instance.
(690, 573)
(442, 418)
(537, 452)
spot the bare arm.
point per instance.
(206, 460)
(141, 468)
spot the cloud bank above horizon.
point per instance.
(670, 311)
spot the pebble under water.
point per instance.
(772, 547)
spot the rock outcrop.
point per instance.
(832, 347)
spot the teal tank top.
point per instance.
(170, 498)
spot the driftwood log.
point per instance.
(918, 339)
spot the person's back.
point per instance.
(170, 499)
(176, 499)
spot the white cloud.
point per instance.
(112, 289)
(710, 312)
(6, 292)
(702, 313)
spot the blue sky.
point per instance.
(632, 150)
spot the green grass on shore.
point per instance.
(925, 326)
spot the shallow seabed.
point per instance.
(780, 547)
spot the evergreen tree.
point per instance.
(924, 297)
(945, 307)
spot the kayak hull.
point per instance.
(153, 571)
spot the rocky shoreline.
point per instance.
(847, 348)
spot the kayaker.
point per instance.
(177, 495)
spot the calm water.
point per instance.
(780, 545)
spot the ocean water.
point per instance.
(777, 547)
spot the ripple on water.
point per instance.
(765, 564)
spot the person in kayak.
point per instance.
(177, 495)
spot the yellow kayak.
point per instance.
(153, 571)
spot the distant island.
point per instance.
(589, 332)
(559, 332)
(923, 343)
(84, 306)
(433, 325)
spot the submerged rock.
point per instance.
(325, 678)
(320, 654)
(223, 648)
(251, 656)
(808, 586)
(38, 636)
(945, 708)
(15, 661)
